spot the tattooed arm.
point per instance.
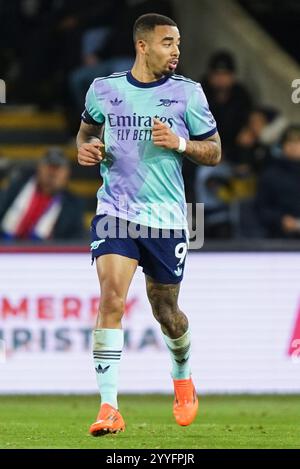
(206, 152)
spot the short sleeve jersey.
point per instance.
(142, 182)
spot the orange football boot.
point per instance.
(109, 420)
(186, 402)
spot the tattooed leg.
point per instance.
(163, 299)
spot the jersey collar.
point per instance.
(140, 84)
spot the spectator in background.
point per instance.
(49, 50)
(229, 100)
(230, 103)
(95, 44)
(38, 206)
(249, 156)
(252, 145)
(109, 48)
(229, 190)
(278, 199)
(217, 213)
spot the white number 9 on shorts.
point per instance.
(180, 252)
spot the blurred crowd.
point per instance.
(253, 193)
(67, 43)
(37, 205)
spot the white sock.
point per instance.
(107, 349)
(180, 351)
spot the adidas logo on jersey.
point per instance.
(116, 102)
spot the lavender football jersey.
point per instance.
(142, 182)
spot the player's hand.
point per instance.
(162, 136)
(91, 153)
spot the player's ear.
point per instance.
(141, 46)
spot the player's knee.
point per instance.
(112, 304)
(163, 309)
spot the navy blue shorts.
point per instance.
(161, 253)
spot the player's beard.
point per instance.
(169, 73)
(163, 73)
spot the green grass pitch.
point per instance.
(223, 422)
